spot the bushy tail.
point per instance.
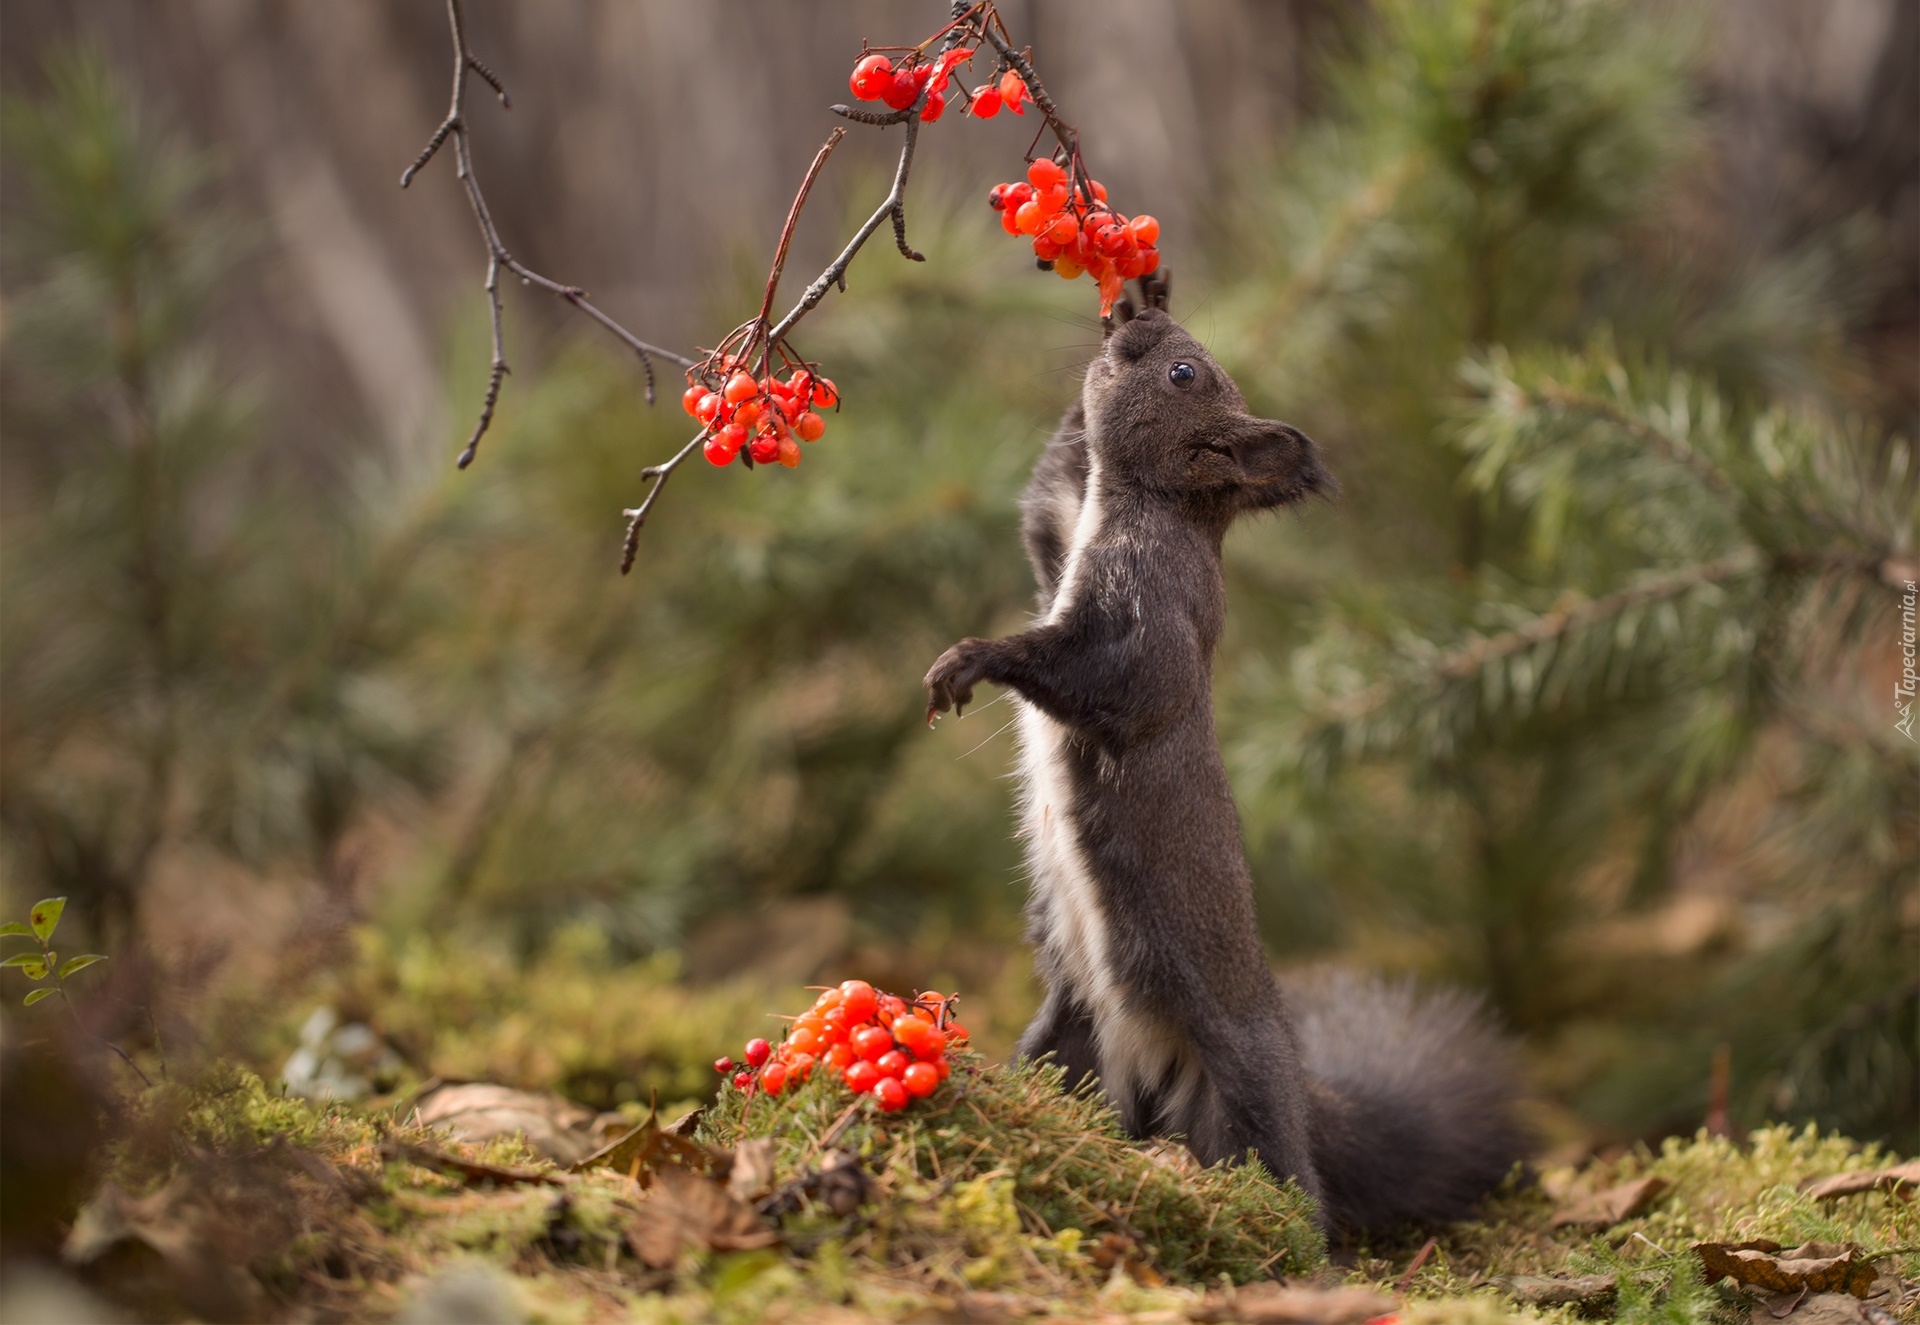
(1413, 1101)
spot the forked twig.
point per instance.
(977, 20)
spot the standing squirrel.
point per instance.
(1384, 1107)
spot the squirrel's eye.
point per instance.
(1181, 374)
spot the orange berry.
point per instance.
(892, 1063)
(741, 386)
(803, 1040)
(789, 453)
(1146, 230)
(862, 1076)
(921, 1080)
(857, 998)
(774, 1077)
(810, 426)
(1046, 173)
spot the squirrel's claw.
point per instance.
(950, 681)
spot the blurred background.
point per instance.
(1583, 695)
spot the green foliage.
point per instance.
(41, 922)
(1613, 565)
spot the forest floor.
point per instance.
(999, 1198)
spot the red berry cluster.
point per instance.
(877, 78)
(762, 416)
(879, 1044)
(1075, 230)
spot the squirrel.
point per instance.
(1386, 1108)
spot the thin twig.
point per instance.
(454, 127)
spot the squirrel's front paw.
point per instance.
(951, 679)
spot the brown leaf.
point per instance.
(1819, 1267)
(1275, 1304)
(752, 1174)
(685, 1211)
(1814, 1309)
(479, 1111)
(1902, 1180)
(1614, 1205)
(648, 1147)
(1582, 1291)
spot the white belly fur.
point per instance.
(1134, 1050)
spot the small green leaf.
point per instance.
(14, 927)
(80, 963)
(34, 996)
(46, 914)
(31, 963)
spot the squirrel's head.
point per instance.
(1162, 413)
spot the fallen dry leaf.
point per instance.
(1276, 1304)
(752, 1174)
(479, 1111)
(1580, 1291)
(1613, 1206)
(1819, 1309)
(1902, 1180)
(1817, 1267)
(685, 1211)
(643, 1151)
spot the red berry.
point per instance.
(774, 1077)
(764, 448)
(690, 399)
(871, 77)
(1063, 230)
(902, 91)
(943, 1067)
(1046, 174)
(788, 453)
(800, 1066)
(803, 1040)
(861, 1076)
(718, 452)
(1030, 218)
(708, 409)
(741, 1080)
(1149, 259)
(936, 107)
(871, 1042)
(1099, 189)
(922, 73)
(840, 1058)
(986, 103)
(723, 1065)
(996, 199)
(1146, 231)
(912, 1033)
(1013, 91)
(829, 1000)
(890, 1095)
(857, 998)
(758, 1051)
(921, 1080)
(741, 386)
(892, 1063)
(1045, 249)
(810, 426)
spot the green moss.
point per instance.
(1017, 1157)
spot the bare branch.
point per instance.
(454, 126)
(969, 20)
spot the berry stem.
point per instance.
(793, 218)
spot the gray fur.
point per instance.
(1142, 905)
